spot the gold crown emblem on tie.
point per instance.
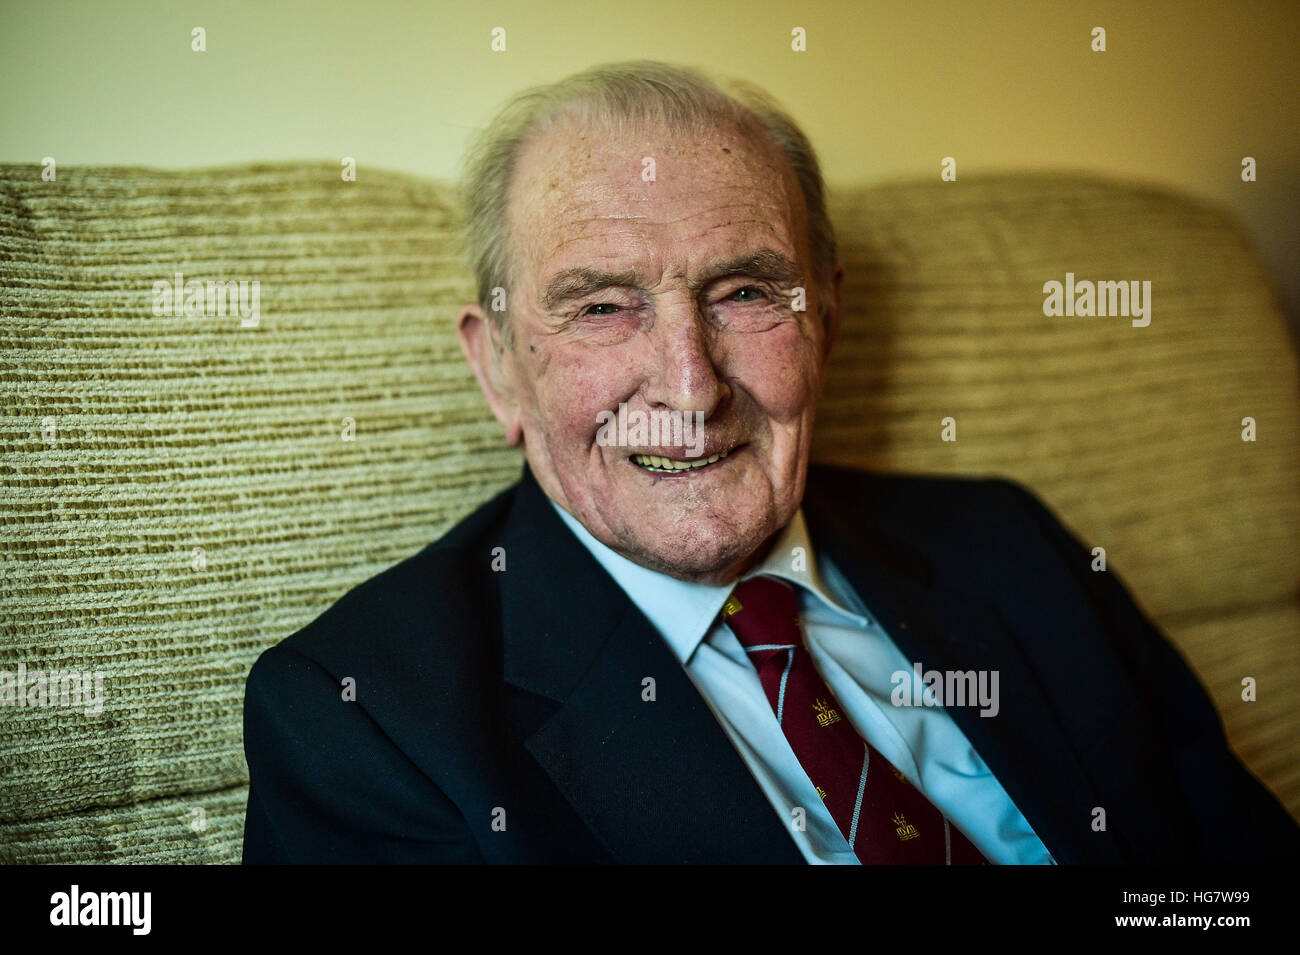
(731, 607)
(826, 715)
(904, 829)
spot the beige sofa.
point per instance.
(131, 440)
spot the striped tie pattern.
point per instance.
(884, 818)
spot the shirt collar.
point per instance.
(684, 611)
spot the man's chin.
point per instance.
(706, 560)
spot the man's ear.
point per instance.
(493, 368)
(834, 311)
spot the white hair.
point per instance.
(619, 96)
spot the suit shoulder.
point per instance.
(892, 492)
(962, 527)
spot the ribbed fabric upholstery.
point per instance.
(174, 433)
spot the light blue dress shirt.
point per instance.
(857, 659)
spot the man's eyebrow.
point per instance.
(761, 264)
(580, 281)
(577, 282)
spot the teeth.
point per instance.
(653, 462)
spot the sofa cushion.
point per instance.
(180, 492)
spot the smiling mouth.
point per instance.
(656, 464)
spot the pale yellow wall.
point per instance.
(885, 89)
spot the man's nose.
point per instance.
(684, 374)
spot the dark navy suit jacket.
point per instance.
(498, 715)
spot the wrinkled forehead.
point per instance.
(577, 175)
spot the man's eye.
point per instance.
(754, 293)
(592, 309)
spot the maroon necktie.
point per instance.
(884, 818)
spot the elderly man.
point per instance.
(672, 640)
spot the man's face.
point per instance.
(671, 295)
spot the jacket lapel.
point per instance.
(1024, 746)
(657, 781)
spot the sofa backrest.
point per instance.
(182, 492)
